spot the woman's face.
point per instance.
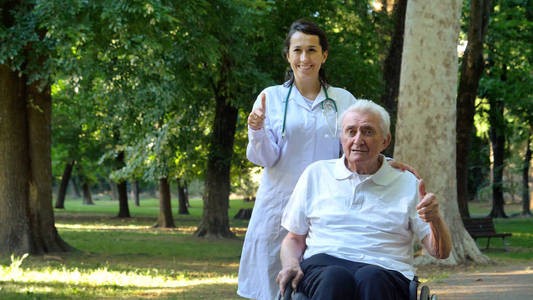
(306, 56)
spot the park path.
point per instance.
(497, 282)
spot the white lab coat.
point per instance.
(310, 136)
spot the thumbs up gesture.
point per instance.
(256, 119)
(428, 206)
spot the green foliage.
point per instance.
(508, 80)
(22, 28)
(150, 90)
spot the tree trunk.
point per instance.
(75, 187)
(215, 220)
(497, 139)
(135, 192)
(182, 197)
(27, 216)
(525, 177)
(471, 72)
(87, 198)
(114, 190)
(60, 203)
(165, 219)
(122, 190)
(425, 130)
(392, 68)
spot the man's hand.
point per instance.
(292, 248)
(293, 272)
(428, 206)
(439, 242)
(256, 119)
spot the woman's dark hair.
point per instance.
(311, 28)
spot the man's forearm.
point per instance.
(441, 241)
(292, 249)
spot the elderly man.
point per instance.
(352, 220)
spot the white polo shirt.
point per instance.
(372, 220)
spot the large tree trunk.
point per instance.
(183, 197)
(60, 202)
(392, 68)
(525, 177)
(165, 219)
(425, 131)
(471, 72)
(497, 139)
(215, 220)
(26, 213)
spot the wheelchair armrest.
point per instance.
(413, 288)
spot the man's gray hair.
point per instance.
(368, 106)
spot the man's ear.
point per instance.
(386, 141)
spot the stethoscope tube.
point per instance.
(283, 133)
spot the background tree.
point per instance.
(470, 74)
(506, 85)
(392, 67)
(425, 132)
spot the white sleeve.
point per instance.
(263, 148)
(294, 217)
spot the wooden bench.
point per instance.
(483, 228)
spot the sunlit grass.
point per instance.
(147, 278)
(128, 258)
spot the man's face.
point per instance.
(362, 139)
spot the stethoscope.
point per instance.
(325, 106)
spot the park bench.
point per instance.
(483, 228)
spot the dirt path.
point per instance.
(493, 282)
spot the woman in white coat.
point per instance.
(291, 126)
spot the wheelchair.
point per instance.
(413, 292)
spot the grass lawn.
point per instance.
(128, 259)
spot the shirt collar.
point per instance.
(298, 98)
(341, 172)
(383, 176)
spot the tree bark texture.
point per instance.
(497, 139)
(392, 68)
(27, 215)
(183, 197)
(526, 200)
(215, 220)
(425, 130)
(471, 72)
(165, 219)
(65, 179)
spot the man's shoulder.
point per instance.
(340, 93)
(398, 176)
(320, 166)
